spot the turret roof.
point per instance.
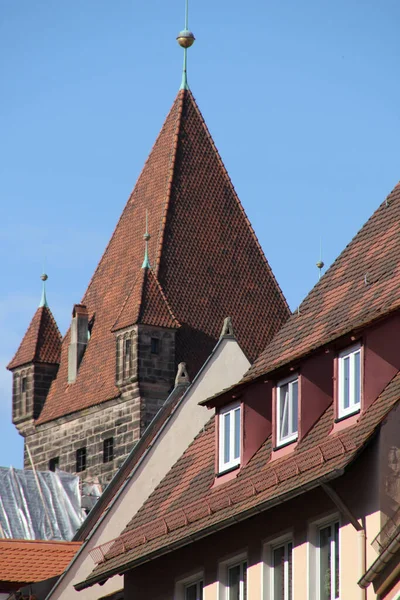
(41, 343)
(204, 254)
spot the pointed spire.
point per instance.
(146, 237)
(185, 40)
(43, 300)
(320, 264)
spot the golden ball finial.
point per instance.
(185, 38)
(320, 264)
(44, 277)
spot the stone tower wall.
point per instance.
(145, 379)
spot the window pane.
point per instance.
(237, 433)
(289, 559)
(325, 563)
(293, 424)
(346, 382)
(279, 573)
(234, 583)
(227, 435)
(190, 592)
(357, 378)
(284, 417)
(244, 596)
(336, 538)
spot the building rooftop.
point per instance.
(27, 561)
(205, 259)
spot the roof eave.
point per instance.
(102, 578)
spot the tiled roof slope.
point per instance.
(361, 285)
(203, 251)
(41, 343)
(146, 304)
(185, 506)
(27, 561)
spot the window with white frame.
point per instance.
(349, 383)
(287, 410)
(281, 571)
(327, 563)
(229, 437)
(237, 581)
(194, 590)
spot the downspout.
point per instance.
(361, 536)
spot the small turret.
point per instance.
(35, 364)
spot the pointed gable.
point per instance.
(205, 257)
(146, 304)
(41, 343)
(363, 284)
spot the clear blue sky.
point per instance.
(302, 99)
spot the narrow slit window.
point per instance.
(54, 463)
(155, 345)
(108, 450)
(127, 357)
(23, 385)
(80, 460)
(287, 411)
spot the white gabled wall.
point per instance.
(225, 367)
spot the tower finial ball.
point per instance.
(44, 277)
(185, 38)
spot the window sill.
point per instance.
(284, 449)
(225, 476)
(346, 421)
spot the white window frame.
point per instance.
(182, 584)
(314, 572)
(293, 435)
(233, 461)
(269, 575)
(223, 575)
(354, 403)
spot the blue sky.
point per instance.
(300, 97)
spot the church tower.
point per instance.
(140, 318)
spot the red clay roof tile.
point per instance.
(27, 561)
(185, 503)
(41, 343)
(205, 257)
(362, 285)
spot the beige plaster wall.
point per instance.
(225, 367)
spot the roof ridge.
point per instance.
(135, 282)
(171, 170)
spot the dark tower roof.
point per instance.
(204, 254)
(41, 342)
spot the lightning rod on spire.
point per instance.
(185, 39)
(146, 237)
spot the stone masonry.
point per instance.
(145, 372)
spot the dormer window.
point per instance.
(349, 381)
(287, 411)
(229, 437)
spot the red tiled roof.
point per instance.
(204, 253)
(146, 304)
(41, 343)
(28, 561)
(186, 506)
(362, 285)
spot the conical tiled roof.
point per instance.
(362, 285)
(41, 342)
(146, 304)
(204, 254)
